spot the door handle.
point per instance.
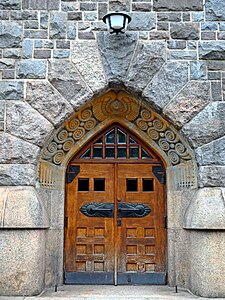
(102, 209)
(133, 210)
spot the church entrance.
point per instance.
(115, 214)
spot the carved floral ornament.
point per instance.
(118, 105)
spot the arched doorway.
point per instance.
(115, 212)
(153, 131)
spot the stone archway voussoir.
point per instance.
(43, 97)
(170, 79)
(65, 78)
(86, 58)
(188, 103)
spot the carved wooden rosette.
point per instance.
(123, 106)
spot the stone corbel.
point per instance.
(21, 207)
(207, 210)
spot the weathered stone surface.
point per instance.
(212, 153)
(70, 6)
(169, 16)
(166, 84)
(8, 74)
(52, 200)
(182, 55)
(207, 126)
(22, 254)
(7, 63)
(11, 90)
(35, 34)
(41, 5)
(116, 52)
(198, 70)
(214, 76)
(12, 53)
(17, 151)
(10, 34)
(215, 65)
(142, 21)
(58, 22)
(208, 26)
(42, 54)
(178, 257)
(187, 104)
(27, 48)
(48, 102)
(216, 90)
(213, 50)
(176, 44)
(71, 30)
(54, 257)
(178, 206)
(15, 174)
(148, 59)
(215, 10)
(25, 122)
(32, 69)
(23, 208)
(207, 263)
(184, 31)
(2, 114)
(119, 5)
(86, 57)
(181, 5)
(10, 4)
(66, 79)
(206, 210)
(62, 53)
(212, 176)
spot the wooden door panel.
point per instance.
(89, 242)
(142, 240)
(97, 247)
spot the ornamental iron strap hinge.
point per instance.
(133, 210)
(106, 210)
(159, 174)
(72, 173)
(102, 210)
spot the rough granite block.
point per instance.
(215, 10)
(174, 5)
(35, 69)
(10, 34)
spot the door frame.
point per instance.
(155, 161)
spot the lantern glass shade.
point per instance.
(116, 22)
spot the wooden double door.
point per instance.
(115, 223)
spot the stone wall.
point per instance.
(56, 56)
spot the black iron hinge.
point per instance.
(72, 173)
(165, 222)
(66, 222)
(159, 174)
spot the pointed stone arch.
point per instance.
(133, 114)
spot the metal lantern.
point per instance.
(116, 22)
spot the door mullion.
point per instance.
(115, 226)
